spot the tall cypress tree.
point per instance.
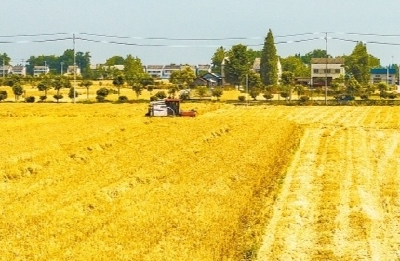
(269, 61)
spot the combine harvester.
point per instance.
(168, 107)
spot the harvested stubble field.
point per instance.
(102, 182)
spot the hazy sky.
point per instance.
(222, 22)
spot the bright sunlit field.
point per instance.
(103, 182)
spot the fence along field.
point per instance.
(100, 181)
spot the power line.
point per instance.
(119, 43)
(368, 34)
(367, 42)
(36, 41)
(126, 43)
(299, 41)
(31, 35)
(170, 38)
(295, 35)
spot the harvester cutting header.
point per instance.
(168, 107)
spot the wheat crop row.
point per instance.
(102, 182)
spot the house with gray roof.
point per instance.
(326, 69)
(5, 70)
(40, 69)
(156, 71)
(19, 70)
(168, 69)
(209, 80)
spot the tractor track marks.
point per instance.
(339, 199)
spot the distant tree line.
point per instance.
(235, 65)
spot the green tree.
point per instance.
(295, 65)
(376, 63)
(86, 84)
(253, 80)
(287, 80)
(353, 87)
(118, 82)
(358, 63)
(102, 93)
(67, 59)
(269, 61)
(254, 92)
(161, 95)
(317, 53)
(217, 92)
(135, 75)
(299, 89)
(383, 87)
(51, 61)
(237, 64)
(147, 81)
(268, 95)
(252, 55)
(337, 84)
(217, 60)
(13, 79)
(58, 83)
(18, 90)
(369, 88)
(133, 69)
(150, 89)
(30, 99)
(44, 85)
(137, 88)
(82, 60)
(3, 95)
(285, 91)
(29, 79)
(115, 60)
(4, 59)
(72, 93)
(201, 91)
(183, 77)
(61, 63)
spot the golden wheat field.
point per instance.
(102, 182)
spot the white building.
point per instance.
(326, 68)
(387, 75)
(40, 69)
(70, 70)
(156, 71)
(19, 70)
(5, 70)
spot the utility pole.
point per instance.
(74, 67)
(326, 69)
(387, 74)
(247, 89)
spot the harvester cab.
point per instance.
(168, 107)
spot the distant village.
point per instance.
(321, 69)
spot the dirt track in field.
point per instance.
(340, 198)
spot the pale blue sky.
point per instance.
(205, 19)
